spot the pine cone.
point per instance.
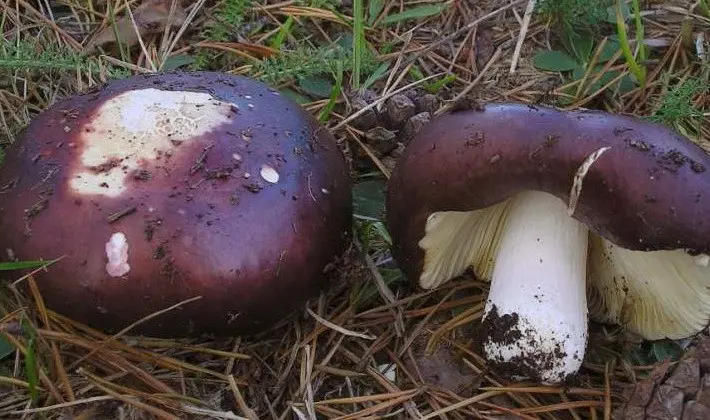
(672, 391)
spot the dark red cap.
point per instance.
(222, 188)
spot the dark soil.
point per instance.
(505, 330)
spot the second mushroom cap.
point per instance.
(562, 212)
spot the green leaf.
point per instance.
(362, 296)
(316, 86)
(369, 198)
(416, 73)
(704, 8)
(436, 86)
(578, 73)
(666, 349)
(345, 41)
(580, 44)
(417, 12)
(300, 99)
(611, 13)
(6, 348)
(606, 78)
(610, 48)
(374, 10)
(626, 84)
(176, 61)
(554, 61)
(376, 75)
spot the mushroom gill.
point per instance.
(656, 294)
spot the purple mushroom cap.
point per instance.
(160, 188)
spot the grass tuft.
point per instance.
(574, 15)
(679, 106)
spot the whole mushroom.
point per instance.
(161, 188)
(567, 214)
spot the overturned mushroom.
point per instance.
(161, 188)
(561, 211)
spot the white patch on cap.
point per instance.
(702, 260)
(140, 125)
(269, 174)
(117, 254)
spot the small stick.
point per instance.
(114, 217)
(523, 31)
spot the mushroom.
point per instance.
(204, 190)
(568, 214)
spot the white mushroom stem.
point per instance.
(539, 327)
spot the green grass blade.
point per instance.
(418, 12)
(282, 34)
(358, 41)
(376, 75)
(637, 71)
(334, 93)
(642, 51)
(22, 265)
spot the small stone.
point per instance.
(703, 395)
(398, 109)
(381, 139)
(686, 376)
(413, 125)
(667, 403)
(426, 103)
(369, 95)
(412, 94)
(640, 393)
(465, 103)
(703, 354)
(695, 411)
(367, 119)
(389, 162)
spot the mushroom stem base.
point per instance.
(535, 321)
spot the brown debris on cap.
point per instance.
(161, 188)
